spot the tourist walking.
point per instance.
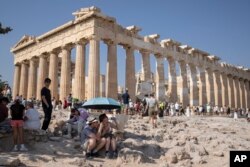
(46, 104)
(125, 98)
(152, 110)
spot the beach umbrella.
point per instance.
(101, 103)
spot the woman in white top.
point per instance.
(31, 118)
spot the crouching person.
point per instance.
(31, 118)
(72, 123)
(105, 130)
(91, 141)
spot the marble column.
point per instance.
(24, 80)
(41, 75)
(130, 72)
(224, 81)
(231, 92)
(217, 89)
(242, 94)
(146, 69)
(210, 86)
(160, 79)
(111, 76)
(32, 79)
(79, 82)
(94, 68)
(65, 81)
(102, 86)
(172, 83)
(194, 98)
(202, 86)
(53, 74)
(236, 92)
(247, 93)
(183, 86)
(16, 82)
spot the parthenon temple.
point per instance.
(203, 77)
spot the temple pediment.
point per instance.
(26, 39)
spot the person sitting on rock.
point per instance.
(31, 118)
(4, 121)
(105, 130)
(91, 141)
(77, 121)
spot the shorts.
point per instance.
(16, 123)
(151, 111)
(107, 135)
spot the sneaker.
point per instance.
(68, 136)
(15, 148)
(88, 155)
(42, 132)
(96, 154)
(108, 155)
(115, 155)
(77, 138)
(23, 148)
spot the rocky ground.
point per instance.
(178, 141)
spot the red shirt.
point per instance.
(3, 112)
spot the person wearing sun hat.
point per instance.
(89, 138)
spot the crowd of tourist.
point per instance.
(94, 133)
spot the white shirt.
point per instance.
(33, 121)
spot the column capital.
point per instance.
(144, 51)
(55, 51)
(109, 42)
(82, 41)
(126, 47)
(158, 56)
(17, 64)
(93, 37)
(67, 47)
(26, 62)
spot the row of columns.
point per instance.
(214, 87)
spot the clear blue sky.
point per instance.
(219, 27)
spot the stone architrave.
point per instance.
(41, 75)
(146, 69)
(32, 79)
(160, 80)
(202, 86)
(217, 89)
(194, 98)
(16, 82)
(224, 81)
(172, 83)
(210, 86)
(111, 76)
(79, 82)
(53, 73)
(130, 72)
(183, 86)
(65, 81)
(236, 92)
(231, 94)
(242, 94)
(24, 80)
(94, 68)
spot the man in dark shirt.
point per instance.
(125, 98)
(3, 108)
(46, 103)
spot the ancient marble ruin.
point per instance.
(49, 55)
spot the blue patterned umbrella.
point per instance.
(101, 103)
